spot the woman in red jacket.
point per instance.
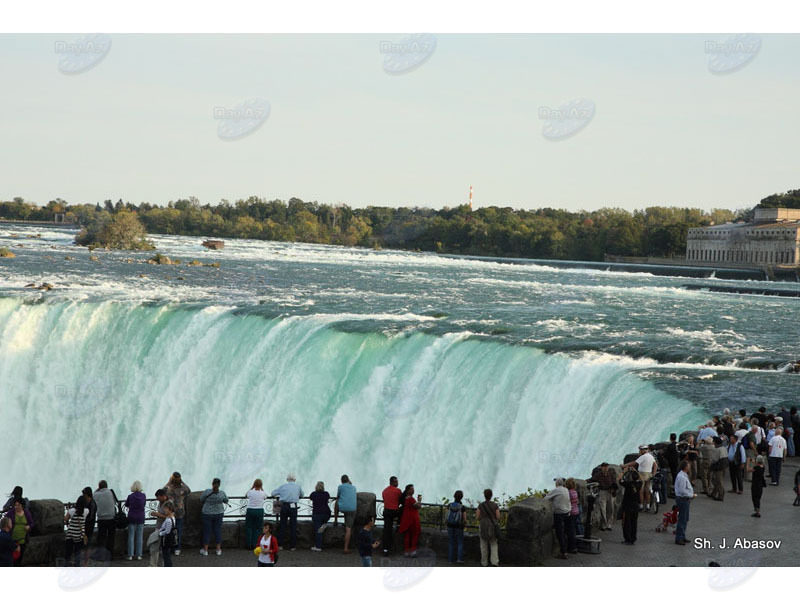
(409, 522)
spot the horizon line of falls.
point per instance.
(124, 391)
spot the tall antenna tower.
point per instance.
(470, 198)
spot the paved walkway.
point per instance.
(302, 557)
(713, 521)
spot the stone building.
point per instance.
(773, 238)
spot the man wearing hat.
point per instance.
(606, 481)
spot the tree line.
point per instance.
(491, 231)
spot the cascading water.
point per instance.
(124, 391)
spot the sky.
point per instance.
(655, 119)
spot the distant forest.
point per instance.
(490, 231)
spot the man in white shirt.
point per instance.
(646, 466)
(777, 452)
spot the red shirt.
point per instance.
(391, 498)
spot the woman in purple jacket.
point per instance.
(21, 525)
(136, 503)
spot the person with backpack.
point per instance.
(456, 520)
(737, 459)
(267, 547)
(168, 533)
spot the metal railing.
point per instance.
(432, 516)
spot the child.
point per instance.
(168, 533)
(269, 547)
(365, 543)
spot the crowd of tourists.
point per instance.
(93, 520)
(747, 447)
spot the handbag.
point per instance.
(121, 520)
(495, 524)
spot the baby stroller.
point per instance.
(670, 520)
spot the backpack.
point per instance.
(171, 539)
(454, 514)
(745, 442)
(737, 454)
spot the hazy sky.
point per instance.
(140, 124)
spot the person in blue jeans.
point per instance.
(365, 543)
(456, 520)
(135, 502)
(684, 493)
(213, 501)
(320, 513)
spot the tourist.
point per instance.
(91, 513)
(757, 486)
(646, 467)
(456, 521)
(708, 431)
(135, 502)
(788, 429)
(777, 452)
(794, 421)
(672, 457)
(708, 455)
(320, 513)
(268, 544)
(106, 513)
(289, 495)
(254, 516)
(562, 506)
(213, 501)
(75, 536)
(177, 491)
(747, 439)
(684, 494)
(365, 543)
(154, 540)
(391, 512)
(347, 503)
(759, 437)
(631, 497)
(574, 514)
(169, 539)
(16, 494)
(410, 525)
(607, 485)
(7, 545)
(21, 524)
(796, 488)
(717, 467)
(489, 528)
(737, 459)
